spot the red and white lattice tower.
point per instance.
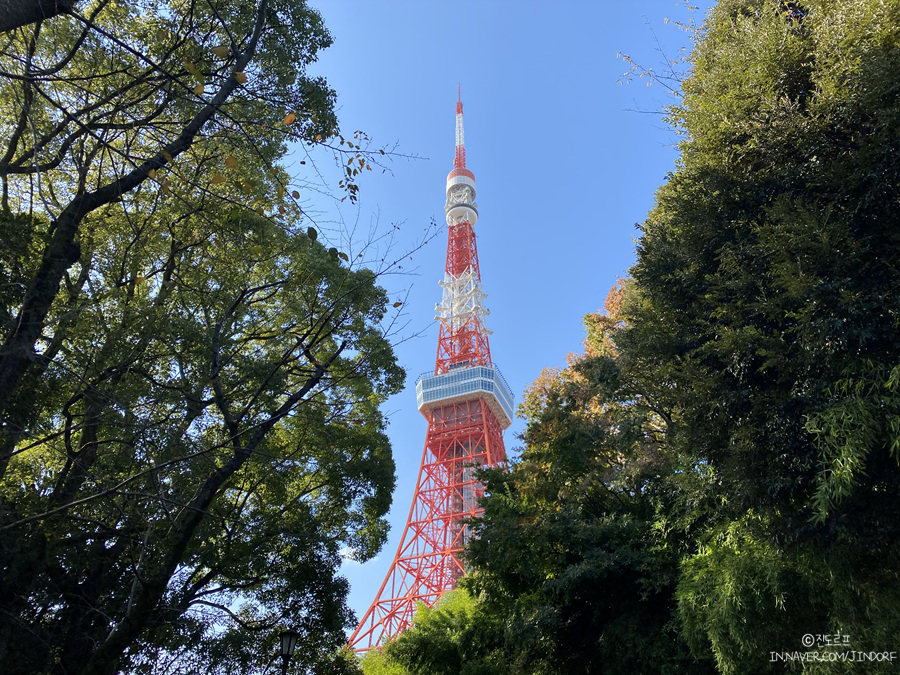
(468, 405)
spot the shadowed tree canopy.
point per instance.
(766, 305)
(190, 379)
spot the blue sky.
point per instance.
(566, 157)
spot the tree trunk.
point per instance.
(17, 13)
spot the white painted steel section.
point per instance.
(459, 180)
(460, 138)
(462, 300)
(462, 213)
(460, 206)
(464, 384)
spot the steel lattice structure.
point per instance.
(468, 405)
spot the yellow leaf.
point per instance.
(199, 89)
(217, 179)
(295, 194)
(289, 118)
(240, 77)
(398, 304)
(167, 155)
(343, 256)
(152, 173)
(221, 51)
(231, 162)
(192, 69)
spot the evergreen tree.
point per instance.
(765, 303)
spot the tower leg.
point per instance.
(428, 562)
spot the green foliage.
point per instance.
(198, 378)
(375, 662)
(568, 551)
(752, 600)
(765, 306)
(865, 414)
(456, 636)
(190, 434)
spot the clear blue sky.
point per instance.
(564, 160)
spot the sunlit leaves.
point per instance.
(192, 69)
(161, 324)
(154, 272)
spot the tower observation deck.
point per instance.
(467, 404)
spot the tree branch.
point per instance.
(17, 353)
(18, 13)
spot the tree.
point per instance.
(208, 439)
(97, 105)
(765, 304)
(191, 437)
(456, 636)
(568, 548)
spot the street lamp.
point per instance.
(288, 645)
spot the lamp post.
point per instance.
(288, 645)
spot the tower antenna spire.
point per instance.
(460, 161)
(468, 405)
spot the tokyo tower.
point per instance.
(468, 405)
